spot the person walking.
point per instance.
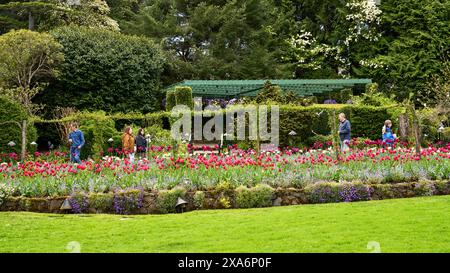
(141, 143)
(76, 140)
(387, 135)
(128, 143)
(344, 132)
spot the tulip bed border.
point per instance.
(164, 201)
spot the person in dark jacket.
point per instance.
(76, 140)
(344, 131)
(141, 143)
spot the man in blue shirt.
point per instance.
(344, 131)
(76, 140)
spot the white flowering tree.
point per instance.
(356, 23)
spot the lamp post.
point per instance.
(440, 130)
(148, 137)
(110, 141)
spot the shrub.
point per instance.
(170, 100)
(159, 136)
(5, 192)
(355, 191)
(442, 187)
(97, 129)
(346, 95)
(199, 199)
(106, 70)
(102, 202)
(424, 188)
(225, 202)
(167, 199)
(269, 93)
(79, 202)
(323, 192)
(183, 96)
(12, 111)
(382, 191)
(258, 196)
(127, 201)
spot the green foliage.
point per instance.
(413, 46)
(11, 112)
(105, 70)
(97, 129)
(27, 58)
(270, 93)
(183, 96)
(424, 188)
(325, 192)
(372, 97)
(345, 95)
(127, 201)
(102, 202)
(159, 136)
(5, 192)
(215, 39)
(167, 199)
(255, 197)
(47, 14)
(171, 100)
(199, 199)
(306, 122)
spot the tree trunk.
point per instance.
(24, 140)
(403, 127)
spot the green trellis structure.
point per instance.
(249, 88)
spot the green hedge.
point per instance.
(306, 122)
(183, 96)
(170, 100)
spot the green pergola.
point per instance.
(250, 88)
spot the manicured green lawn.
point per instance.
(402, 225)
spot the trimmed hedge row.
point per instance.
(308, 122)
(135, 201)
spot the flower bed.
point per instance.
(357, 175)
(156, 202)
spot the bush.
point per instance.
(255, 197)
(366, 121)
(424, 188)
(127, 201)
(5, 192)
(199, 199)
(159, 136)
(346, 95)
(167, 199)
(183, 96)
(171, 100)
(98, 128)
(12, 111)
(355, 191)
(102, 202)
(382, 191)
(270, 93)
(106, 70)
(323, 192)
(79, 202)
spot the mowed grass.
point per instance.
(402, 225)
